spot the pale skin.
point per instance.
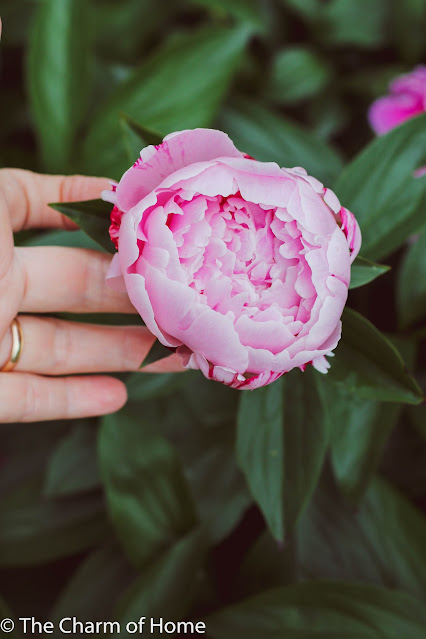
(51, 279)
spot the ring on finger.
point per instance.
(17, 345)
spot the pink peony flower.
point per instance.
(407, 99)
(240, 265)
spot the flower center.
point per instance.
(242, 258)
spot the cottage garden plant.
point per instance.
(275, 488)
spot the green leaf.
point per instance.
(272, 138)
(94, 588)
(363, 272)
(260, 451)
(36, 530)
(281, 446)
(129, 25)
(296, 74)
(166, 586)
(217, 483)
(77, 239)
(131, 141)
(73, 466)
(200, 419)
(136, 137)
(359, 431)
(342, 22)
(170, 91)
(148, 499)
(156, 352)
(59, 76)
(145, 135)
(367, 364)
(322, 610)
(145, 386)
(305, 443)
(379, 188)
(92, 216)
(411, 283)
(26, 451)
(380, 542)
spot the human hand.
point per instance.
(55, 279)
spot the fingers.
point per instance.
(58, 347)
(68, 279)
(31, 398)
(25, 196)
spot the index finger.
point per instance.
(25, 196)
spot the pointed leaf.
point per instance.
(367, 364)
(136, 137)
(156, 352)
(59, 76)
(144, 134)
(379, 188)
(92, 216)
(363, 272)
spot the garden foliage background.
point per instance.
(296, 510)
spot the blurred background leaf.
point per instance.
(179, 68)
(296, 74)
(269, 138)
(322, 609)
(379, 187)
(59, 76)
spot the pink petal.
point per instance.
(177, 151)
(390, 111)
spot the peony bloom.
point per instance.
(240, 265)
(407, 99)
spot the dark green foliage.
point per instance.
(292, 511)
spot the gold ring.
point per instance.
(17, 344)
